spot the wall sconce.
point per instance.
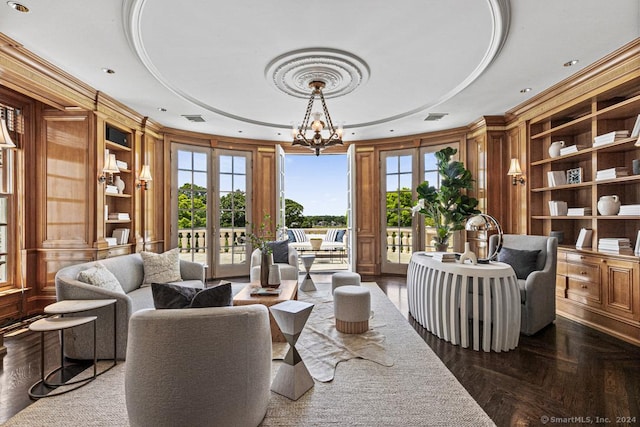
(5, 138)
(515, 172)
(110, 168)
(144, 178)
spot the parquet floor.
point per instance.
(568, 373)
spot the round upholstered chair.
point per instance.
(344, 278)
(352, 309)
(198, 366)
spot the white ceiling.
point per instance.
(466, 58)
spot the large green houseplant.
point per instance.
(447, 206)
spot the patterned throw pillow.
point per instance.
(101, 277)
(331, 235)
(161, 268)
(299, 235)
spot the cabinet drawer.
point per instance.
(583, 271)
(583, 291)
(111, 252)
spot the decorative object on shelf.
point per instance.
(468, 254)
(486, 223)
(559, 235)
(554, 148)
(5, 138)
(446, 207)
(635, 166)
(317, 143)
(584, 238)
(515, 172)
(144, 178)
(574, 176)
(636, 128)
(609, 205)
(110, 167)
(636, 252)
(119, 183)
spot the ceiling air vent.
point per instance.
(193, 117)
(432, 117)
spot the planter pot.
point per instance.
(441, 247)
(265, 265)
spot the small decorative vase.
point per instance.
(119, 183)
(609, 205)
(274, 276)
(554, 148)
(468, 255)
(265, 266)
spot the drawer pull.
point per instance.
(583, 273)
(583, 286)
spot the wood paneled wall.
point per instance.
(367, 210)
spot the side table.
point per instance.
(65, 372)
(293, 378)
(307, 283)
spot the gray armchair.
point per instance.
(538, 290)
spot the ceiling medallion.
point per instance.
(340, 71)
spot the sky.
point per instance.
(317, 183)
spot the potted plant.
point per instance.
(447, 207)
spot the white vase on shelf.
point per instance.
(554, 148)
(609, 205)
(119, 183)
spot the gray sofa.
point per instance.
(129, 270)
(538, 290)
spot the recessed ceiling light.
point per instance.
(239, 131)
(162, 109)
(390, 130)
(571, 63)
(108, 71)
(17, 6)
(525, 90)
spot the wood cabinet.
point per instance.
(599, 288)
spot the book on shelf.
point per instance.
(618, 245)
(611, 173)
(111, 189)
(122, 164)
(121, 235)
(636, 128)
(571, 149)
(637, 250)
(558, 208)
(119, 216)
(626, 210)
(584, 238)
(111, 241)
(579, 212)
(556, 178)
(610, 137)
(265, 292)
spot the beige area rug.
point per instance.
(322, 347)
(417, 390)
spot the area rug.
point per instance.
(322, 347)
(417, 390)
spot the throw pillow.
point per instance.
(523, 262)
(340, 235)
(101, 277)
(330, 236)
(300, 235)
(161, 268)
(216, 296)
(280, 250)
(292, 237)
(166, 295)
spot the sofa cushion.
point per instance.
(99, 276)
(292, 237)
(161, 268)
(300, 235)
(340, 235)
(216, 296)
(331, 235)
(170, 296)
(523, 262)
(280, 250)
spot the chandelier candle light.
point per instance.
(316, 142)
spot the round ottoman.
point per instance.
(352, 309)
(344, 278)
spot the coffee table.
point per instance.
(289, 291)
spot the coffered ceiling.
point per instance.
(243, 66)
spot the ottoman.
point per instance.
(352, 309)
(344, 278)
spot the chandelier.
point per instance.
(316, 142)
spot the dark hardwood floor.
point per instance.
(567, 374)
